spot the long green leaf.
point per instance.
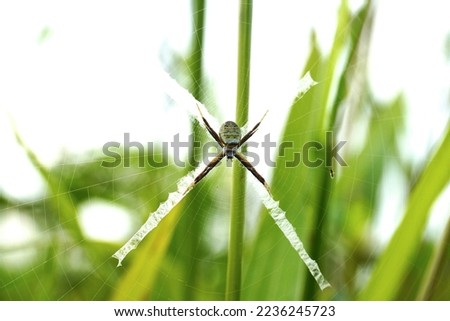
(140, 275)
(59, 196)
(274, 271)
(390, 269)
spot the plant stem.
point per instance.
(195, 223)
(196, 58)
(237, 213)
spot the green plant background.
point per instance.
(334, 217)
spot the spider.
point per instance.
(229, 138)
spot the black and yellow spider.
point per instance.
(229, 138)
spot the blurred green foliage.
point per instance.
(334, 217)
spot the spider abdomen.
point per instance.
(230, 133)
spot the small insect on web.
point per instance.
(229, 138)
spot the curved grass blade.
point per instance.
(138, 280)
(60, 198)
(390, 269)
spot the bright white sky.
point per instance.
(92, 78)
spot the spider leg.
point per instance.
(250, 167)
(216, 160)
(250, 133)
(210, 130)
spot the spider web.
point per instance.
(184, 186)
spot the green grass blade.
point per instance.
(140, 275)
(274, 271)
(359, 34)
(340, 38)
(59, 197)
(354, 32)
(237, 214)
(191, 222)
(389, 270)
(437, 268)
